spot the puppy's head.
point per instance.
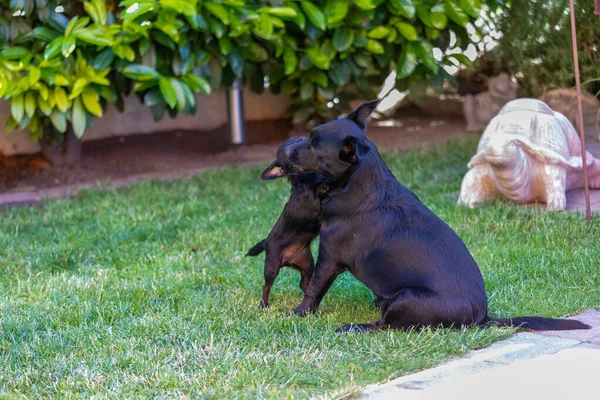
(335, 146)
(282, 166)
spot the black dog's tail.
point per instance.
(536, 323)
(257, 248)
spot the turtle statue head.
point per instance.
(503, 153)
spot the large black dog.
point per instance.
(288, 243)
(372, 226)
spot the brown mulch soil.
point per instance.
(128, 157)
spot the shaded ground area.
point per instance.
(181, 153)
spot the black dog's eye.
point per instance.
(314, 142)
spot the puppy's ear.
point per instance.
(360, 115)
(273, 171)
(353, 150)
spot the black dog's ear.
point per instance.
(353, 150)
(273, 171)
(360, 115)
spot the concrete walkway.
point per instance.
(550, 365)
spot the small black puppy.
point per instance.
(288, 243)
(372, 226)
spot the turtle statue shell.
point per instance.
(528, 153)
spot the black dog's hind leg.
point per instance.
(410, 307)
(272, 268)
(325, 274)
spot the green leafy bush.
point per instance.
(536, 44)
(63, 61)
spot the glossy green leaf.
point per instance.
(17, 107)
(44, 107)
(307, 90)
(263, 27)
(197, 83)
(141, 72)
(373, 46)
(100, 6)
(471, 7)
(343, 39)
(78, 118)
(59, 121)
(10, 125)
(285, 12)
(379, 32)
(406, 7)
(364, 4)
(78, 87)
(167, 91)
(314, 15)
(424, 14)
(91, 101)
(455, 13)
(93, 37)
(290, 61)
(124, 51)
(45, 34)
(184, 7)
(104, 59)
(34, 75)
(219, 11)
(425, 53)
(61, 80)
(30, 104)
(179, 94)
(68, 46)
(91, 10)
(153, 97)
(61, 99)
(340, 73)
(360, 38)
(438, 17)
(461, 58)
(407, 62)
(317, 58)
(431, 33)
(15, 53)
(58, 21)
(393, 35)
(336, 11)
(53, 48)
(136, 10)
(407, 31)
(320, 78)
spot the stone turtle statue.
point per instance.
(528, 153)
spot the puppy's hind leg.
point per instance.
(305, 263)
(272, 268)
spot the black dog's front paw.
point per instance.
(302, 310)
(263, 304)
(356, 328)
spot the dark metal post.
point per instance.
(235, 103)
(579, 109)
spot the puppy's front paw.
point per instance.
(263, 304)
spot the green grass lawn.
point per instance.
(145, 291)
